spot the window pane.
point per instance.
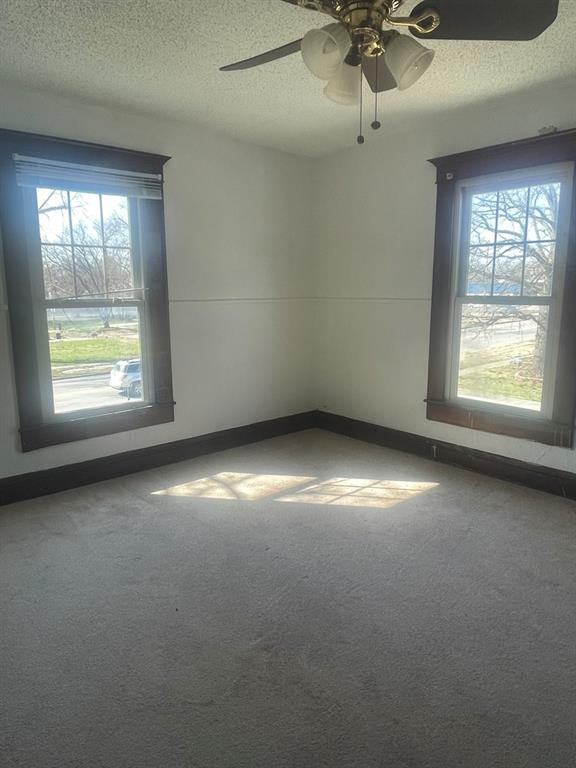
(480, 267)
(119, 270)
(95, 357)
(58, 271)
(86, 223)
(512, 210)
(543, 212)
(522, 222)
(116, 224)
(483, 218)
(90, 277)
(53, 217)
(95, 259)
(539, 269)
(508, 270)
(502, 350)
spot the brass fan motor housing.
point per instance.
(365, 20)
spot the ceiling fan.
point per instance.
(363, 39)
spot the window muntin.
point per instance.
(506, 295)
(94, 306)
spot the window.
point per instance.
(82, 231)
(501, 356)
(507, 296)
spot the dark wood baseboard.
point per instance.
(33, 484)
(546, 479)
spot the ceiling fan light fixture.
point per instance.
(324, 50)
(344, 87)
(407, 60)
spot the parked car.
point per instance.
(126, 376)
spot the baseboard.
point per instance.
(546, 479)
(33, 484)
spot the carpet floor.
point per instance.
(303, 602)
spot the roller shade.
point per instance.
(38, 172)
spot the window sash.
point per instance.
(549, 373)
(45, 362)
(105, 248)
(46, 380)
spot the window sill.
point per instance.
(86, 427)
(526, 427)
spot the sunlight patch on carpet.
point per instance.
(343, 491)
(359, 492)
(236, 485)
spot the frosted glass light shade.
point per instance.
(344, 87)
(407, 60)
(324, 50)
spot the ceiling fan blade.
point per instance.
(488, 19)
(377, 73)
(264, 58)
(311, 5)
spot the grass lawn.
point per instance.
(99, 350)
(499, 383)
(501, 373)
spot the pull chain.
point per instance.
(376, 124)
(360, 138)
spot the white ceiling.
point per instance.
(162, 56)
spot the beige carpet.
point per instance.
(306, 601)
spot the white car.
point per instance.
(126, 375)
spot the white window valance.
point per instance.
(54, 174)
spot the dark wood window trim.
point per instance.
(529, 153)
(35, 431)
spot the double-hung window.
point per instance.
(502, 355)
(83, 243)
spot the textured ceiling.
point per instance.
(162, 56)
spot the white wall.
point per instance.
(248, 341)
(238, 232)
(374, 236)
